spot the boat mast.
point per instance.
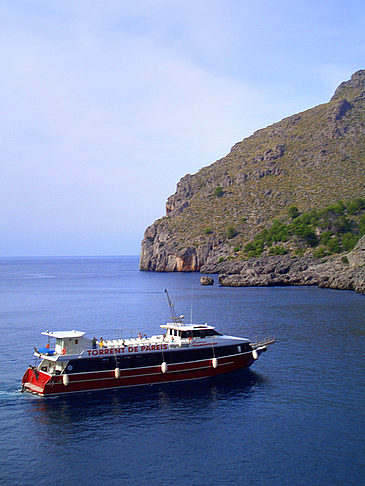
(174, 316)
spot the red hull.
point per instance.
(44, 384)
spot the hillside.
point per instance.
(309, 161)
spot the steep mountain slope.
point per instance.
(309, 160)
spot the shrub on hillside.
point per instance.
(349, 240)
(320, 252)
(362, 226)
(293, 212)
(231, 232)
(278, 250)
(218, 191)
(334, 245)
(356, 205)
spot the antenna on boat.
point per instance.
(174, 316)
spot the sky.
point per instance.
(107, 104)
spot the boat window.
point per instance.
(186, 334)
(212, 332)
(201, 333)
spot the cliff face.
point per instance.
(309, 160)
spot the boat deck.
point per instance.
(134, 341)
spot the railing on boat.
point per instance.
(263, 342)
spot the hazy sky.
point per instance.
(107, 104)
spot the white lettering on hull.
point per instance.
(126, 350)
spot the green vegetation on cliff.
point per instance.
(334, 229)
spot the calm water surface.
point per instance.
(295, 418)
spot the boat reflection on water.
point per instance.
(147, 404)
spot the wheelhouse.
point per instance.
(183, 332)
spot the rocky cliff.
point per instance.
(345, 272)
(308, 160)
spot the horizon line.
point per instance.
(69, 256)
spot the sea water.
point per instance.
(295, 418)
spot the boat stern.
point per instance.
(35, 381)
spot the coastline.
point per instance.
(342, 272)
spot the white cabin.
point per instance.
(69, 342)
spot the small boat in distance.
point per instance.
(183, 352)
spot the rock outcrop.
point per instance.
(345, 272)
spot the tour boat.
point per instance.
(75, 363)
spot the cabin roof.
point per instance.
(64, 334)
(186, 327)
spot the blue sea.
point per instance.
(295, 418)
